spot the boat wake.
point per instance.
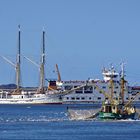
(9, 120)
(55, 117)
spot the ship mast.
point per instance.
(112, 83)
(122, 82)
(18, 61)
(112, 88)
(42, 64)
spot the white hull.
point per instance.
(36, 99)
(28, 102)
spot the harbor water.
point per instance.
(51, 122)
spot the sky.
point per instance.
(82, 37)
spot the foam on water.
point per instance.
(62, 116)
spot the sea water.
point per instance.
(51, 122)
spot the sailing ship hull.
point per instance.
(30, 101)
(36, 99)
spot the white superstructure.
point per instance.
(92, 93)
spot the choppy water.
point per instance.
(50, 122)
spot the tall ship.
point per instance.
(20, 95)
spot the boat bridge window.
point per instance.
(113, 76)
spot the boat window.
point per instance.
(116, 87)
(99, 98)
(90, 98)
(80, 90)
(52, 83)
(106, 98)
(88, 89)
(67, 98)
(72, 98)
(104, 87)
(139, 98)
(108, 109)
(115, 92)
(77, 98)
(68, 87)
(83, 98)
